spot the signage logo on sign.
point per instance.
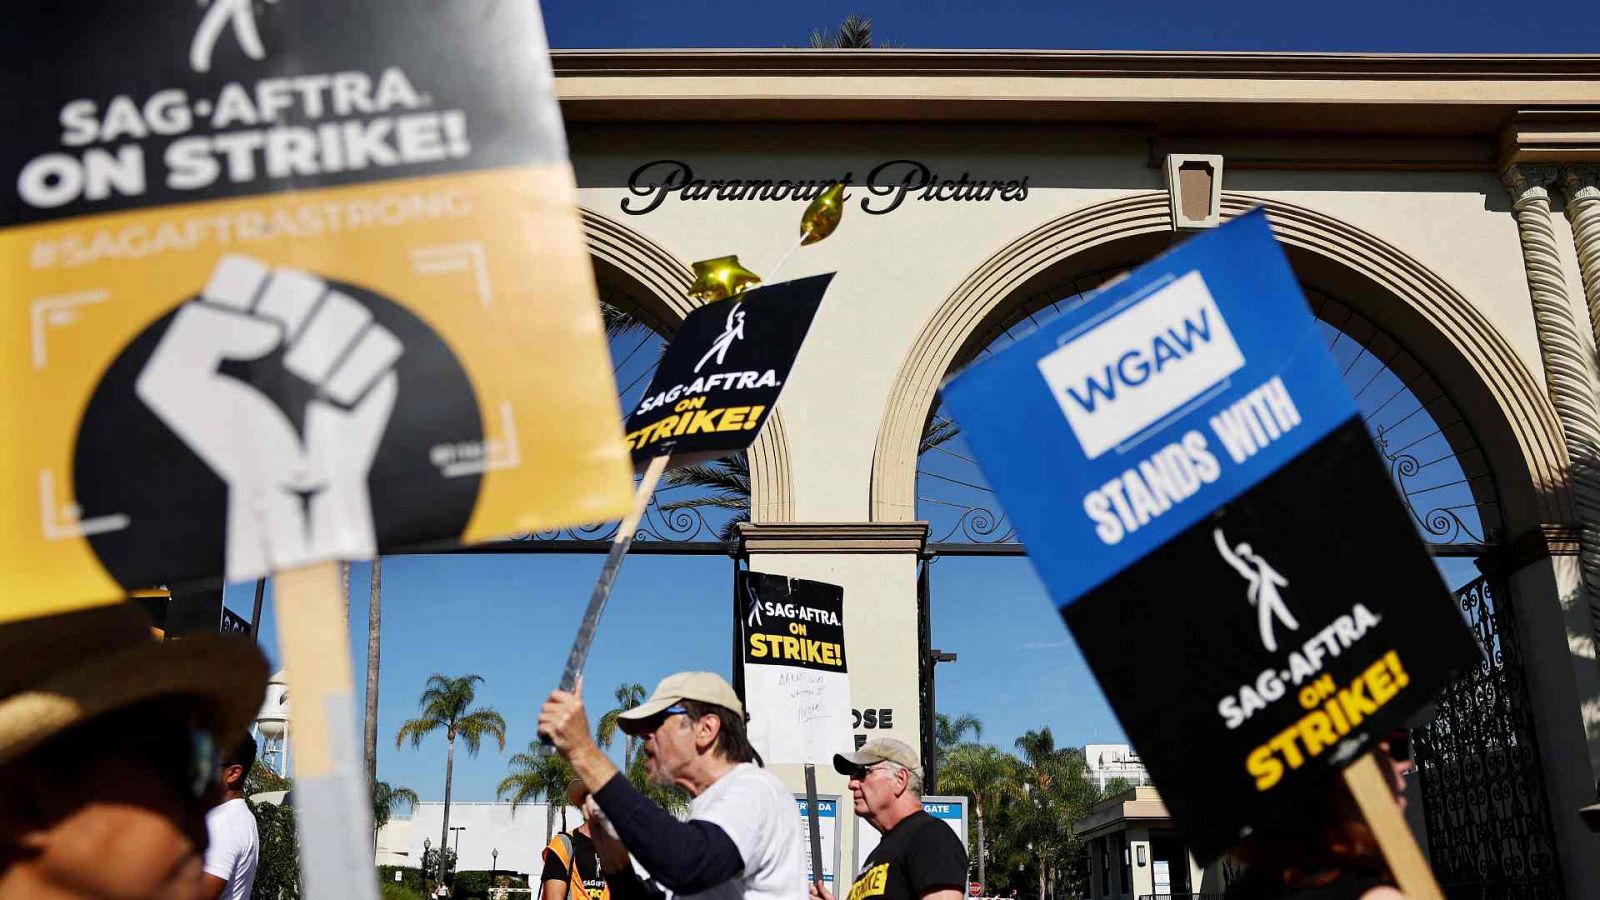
(732, 330)
(241, 15)
(1156, 354)
(1264, 582)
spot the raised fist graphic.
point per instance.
(297, 491)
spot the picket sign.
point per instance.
(727, 342)
(331, 815)
(608, 575)
(1112, 436)
(1370, 786)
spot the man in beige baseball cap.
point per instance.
(918, 857)
(108, 752)
(742, 839)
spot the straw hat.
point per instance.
(60, 671)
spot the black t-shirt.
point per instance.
(588, 862)
(918, 854)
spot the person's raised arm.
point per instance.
(686, 857)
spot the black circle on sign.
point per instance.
(127, 461)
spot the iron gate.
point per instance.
(1489, 827)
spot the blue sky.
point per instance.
(1373, 25)
(511, 618)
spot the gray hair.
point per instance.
(913, 780)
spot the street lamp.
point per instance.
(931, 763)
(458, 829)
(427, 846)
(494, 868)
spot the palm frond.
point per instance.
(473, 726)
(854, 33)
(606, 732)
(730, 529)
(940, 431)
(710, 501)
(731, 475)
(415, 730)
(618, 322)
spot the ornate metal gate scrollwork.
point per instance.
(1489, 831)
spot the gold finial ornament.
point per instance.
(721, 278)
(822, 215)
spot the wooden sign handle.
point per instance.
(813, 822)
(1370, 786)
(608, 573)
(332, 807)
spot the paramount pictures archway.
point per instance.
(1471, 442)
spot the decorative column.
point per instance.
(1564, 349)
(1582, 184)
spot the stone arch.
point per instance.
(1503, 404)
(630, 263)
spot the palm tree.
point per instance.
(987, 775)
(384, 800)
(444, 703)
(855, 33)
(1058, 794)
(948, 732)
(374, 645)
(629, 694)
(536, 773)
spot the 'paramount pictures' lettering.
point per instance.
(889, 184)
(722, 373)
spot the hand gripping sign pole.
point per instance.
(1370, 786)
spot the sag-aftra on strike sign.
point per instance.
(720, 378)
(1196, 487)
(286, 282)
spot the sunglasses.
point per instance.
(655, 721)
(860, 773)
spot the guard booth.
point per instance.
(1135, 852)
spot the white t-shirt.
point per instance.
(234, 848)
(758, 814)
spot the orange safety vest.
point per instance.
(561, 846)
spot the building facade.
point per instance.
(1442, 213)
(1105, 763)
